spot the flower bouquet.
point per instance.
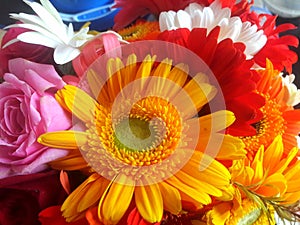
(184, 112)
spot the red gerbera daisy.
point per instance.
(232, 71)
(277, 47)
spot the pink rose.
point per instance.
(27, 110)
(35, 53)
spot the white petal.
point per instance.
(192, 8)
(183, 19)
(80, 38)
(38, 29)
(70, 31)
(46, 16)
(197, 16)
(208, 18)
(231, 31)
(293, 97)
(167, 20)
(50, 8)
(37, 38)
(12, 41)
(64, 54)
(26, 18)
(197, 19)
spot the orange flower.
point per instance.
(141, 30)
(278, 117)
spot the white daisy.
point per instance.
(197, 16)
(47, 29)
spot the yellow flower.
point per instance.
(140, 132)
(271, 174)
(248, 213)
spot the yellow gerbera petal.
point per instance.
(282, 166)
(82, 193)
(198, 184)
(274, 185)
(78, 102)
(94, 81)
(130, 70)
(291, 198)
(198, 95)
(292, 172)
(171, 198)
(68, 139)
(207, 169)
(257, 165)
(146, 67)
(73, 161)
(241, 173)
(273, 154)
(293, 185)
(114, 83)
(216, 121)
(115, 201)
(179, 74)
(198, 195)
(93, 194)
(149, 202)
(231, 148)
(219, 213)
(163, 69)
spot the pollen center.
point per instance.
(134, 134)
(129, 143)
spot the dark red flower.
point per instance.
(34, 53)
(233, 72)
(22, 197)
(18, 207)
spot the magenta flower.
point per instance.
(28, 109)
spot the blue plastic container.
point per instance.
(75, 6)
(99, 12)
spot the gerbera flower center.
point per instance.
(271, 125)
(135, 134)
(147, 136)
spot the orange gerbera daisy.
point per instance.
(279, 118)
(141, 30)
(140, 132)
